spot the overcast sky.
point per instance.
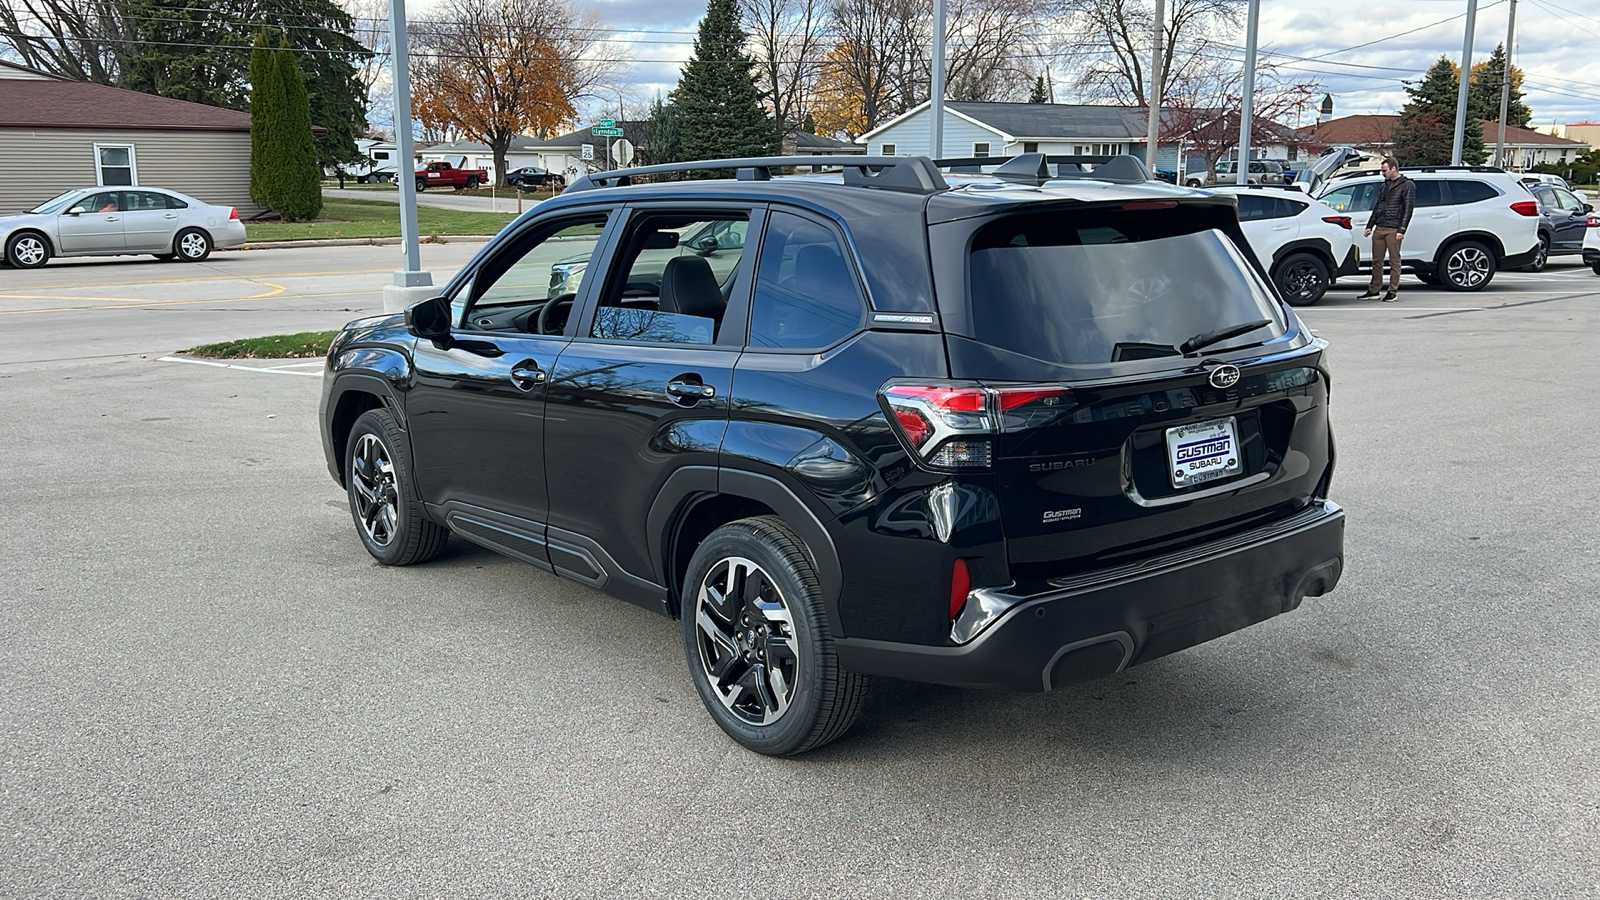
(1557, 42)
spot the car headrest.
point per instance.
(819, 269)
(688, 287)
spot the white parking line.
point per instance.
(274, 370)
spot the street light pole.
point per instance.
(1153, 130)
(1505, 89)
(1247, 114)
(411, 283)
(1466, 81)
(936, 93)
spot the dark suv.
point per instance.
(1004, 431)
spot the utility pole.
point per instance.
(1247, 115)
(412, 283)
(1153, 130)
(1505, 89)
(936, 94)
(1466, 82)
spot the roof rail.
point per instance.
(907, 174)
(1037, 168)
(1260, 187)
(1453, 169)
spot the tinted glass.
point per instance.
(1429, 193)
(1470, 192)
(1252, 207)
(1352, 198)
(1288, 209)
(1130, 286)
(805, 296)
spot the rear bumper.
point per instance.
(1520, 259)
(1591, 256)
(1352, 262)
(1107, 621)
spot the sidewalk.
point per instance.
(505, 203)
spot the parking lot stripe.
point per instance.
(275, 370)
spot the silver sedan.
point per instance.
(119, 221)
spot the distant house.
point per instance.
(57, 134)
(564, 153)
(477, 155)
(1525, 148)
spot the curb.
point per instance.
(359, 242)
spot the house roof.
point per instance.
(26, 103)
(1378, 131)
(1087, 122)
(519, 144)
(1523, 137)
(806, 142)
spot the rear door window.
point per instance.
(1115, 287)
(1430, 193)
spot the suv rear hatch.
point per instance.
(1072, 334)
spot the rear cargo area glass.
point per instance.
(1087, 288)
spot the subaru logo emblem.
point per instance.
(1224, 376)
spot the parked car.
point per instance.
(1536, 178)
(1335, 162)
(1563, 222)
(444, 174)
(1262, 171)
(1469, 222)
(1303, 244)
(1007, 434)
(533, 178)
(1591, 245)
(119, 222)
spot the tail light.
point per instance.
(233, 214)
(1526, 207)
(1341, 221)
(950, 425)
(1594, 221)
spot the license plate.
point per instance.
(1203, 451)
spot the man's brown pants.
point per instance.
(1385, 240)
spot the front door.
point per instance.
(476, 411)
(92, 224)
(642, 392)
(148, 225)
(1570, 219)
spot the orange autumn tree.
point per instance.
(490, 70)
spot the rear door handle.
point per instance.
(527, 375)
(1440, 216)
(1280, 227)
(690, 390)
(170, 216)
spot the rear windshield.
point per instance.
(1115, 287)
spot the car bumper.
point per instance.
(1520, 259)
(1352, 262)
(229, 235)
(1107, 621)
(1591, 256)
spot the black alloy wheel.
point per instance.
(1467, 266)
(1302, 279)
(388, 517)
(757, 643)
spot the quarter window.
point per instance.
(114, 165)
(1469, 192)
(805, 295)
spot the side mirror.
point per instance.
(430, 320)
(707, 245)
(1588, 207)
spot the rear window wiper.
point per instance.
(1208, 338)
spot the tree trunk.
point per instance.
(499, 146)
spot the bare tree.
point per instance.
(1208, 121)
(1110, 45)
(84, 40)
(788, 40)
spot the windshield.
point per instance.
(56, 203)
(1119, 287)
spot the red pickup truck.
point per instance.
(443, 174)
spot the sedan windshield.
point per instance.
(56, 203)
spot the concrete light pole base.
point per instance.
(408, 289)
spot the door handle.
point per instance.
(527, 375)
(679, 389)
(1280, 228)
(1440, 216)
(170, 216)
(111, 218)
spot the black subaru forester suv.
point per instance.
(1008, 430)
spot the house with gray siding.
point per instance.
(57, 134)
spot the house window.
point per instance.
(889, 149)
(114, 164)
(1030, 146)
(980, 149)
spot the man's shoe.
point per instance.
(1369, 295)
(1390, 297)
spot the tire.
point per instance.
(1596, 268)
(388, 518)
(1542, 257)
(761, 657)
(1429, 279)
(192, 245)
(27, 250)
(165, 257)
(472, 184)
(1466, 266)
(1302, 278)
(422, 185)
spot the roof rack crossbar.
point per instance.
(907, 174)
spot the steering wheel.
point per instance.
(549, 323)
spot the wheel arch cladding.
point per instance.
(1473, 237)
(352, 396)
(1316, 246)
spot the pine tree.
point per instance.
(1483, 94)
(661, 134)
(297, 193)
(717, 103)
(266, 102)
(1040, 94)
(1425, 132)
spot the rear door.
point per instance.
(1433, 222)
(1258, 217)
(148, 224)
(92, 224)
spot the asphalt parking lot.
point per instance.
(207, 689)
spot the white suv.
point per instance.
(1591, 245)
(1470, 221)
(1303, 244)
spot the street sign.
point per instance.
(606, 131)
(608, 123)
(622, 152)
(588, 151)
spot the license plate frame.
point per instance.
(1202, 452)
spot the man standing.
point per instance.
(1391, 216)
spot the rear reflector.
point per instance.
(1526, 207)
(960, 586)
(1341, 221)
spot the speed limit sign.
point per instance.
(588, 151)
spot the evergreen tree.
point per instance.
(1040, 94)
(1424, 135)
(809, 123)
(266, 103)
(661, 134)
(297, 192)
(1483, 93)
(717, 103)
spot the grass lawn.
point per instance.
(278, 346)
(373, 219)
